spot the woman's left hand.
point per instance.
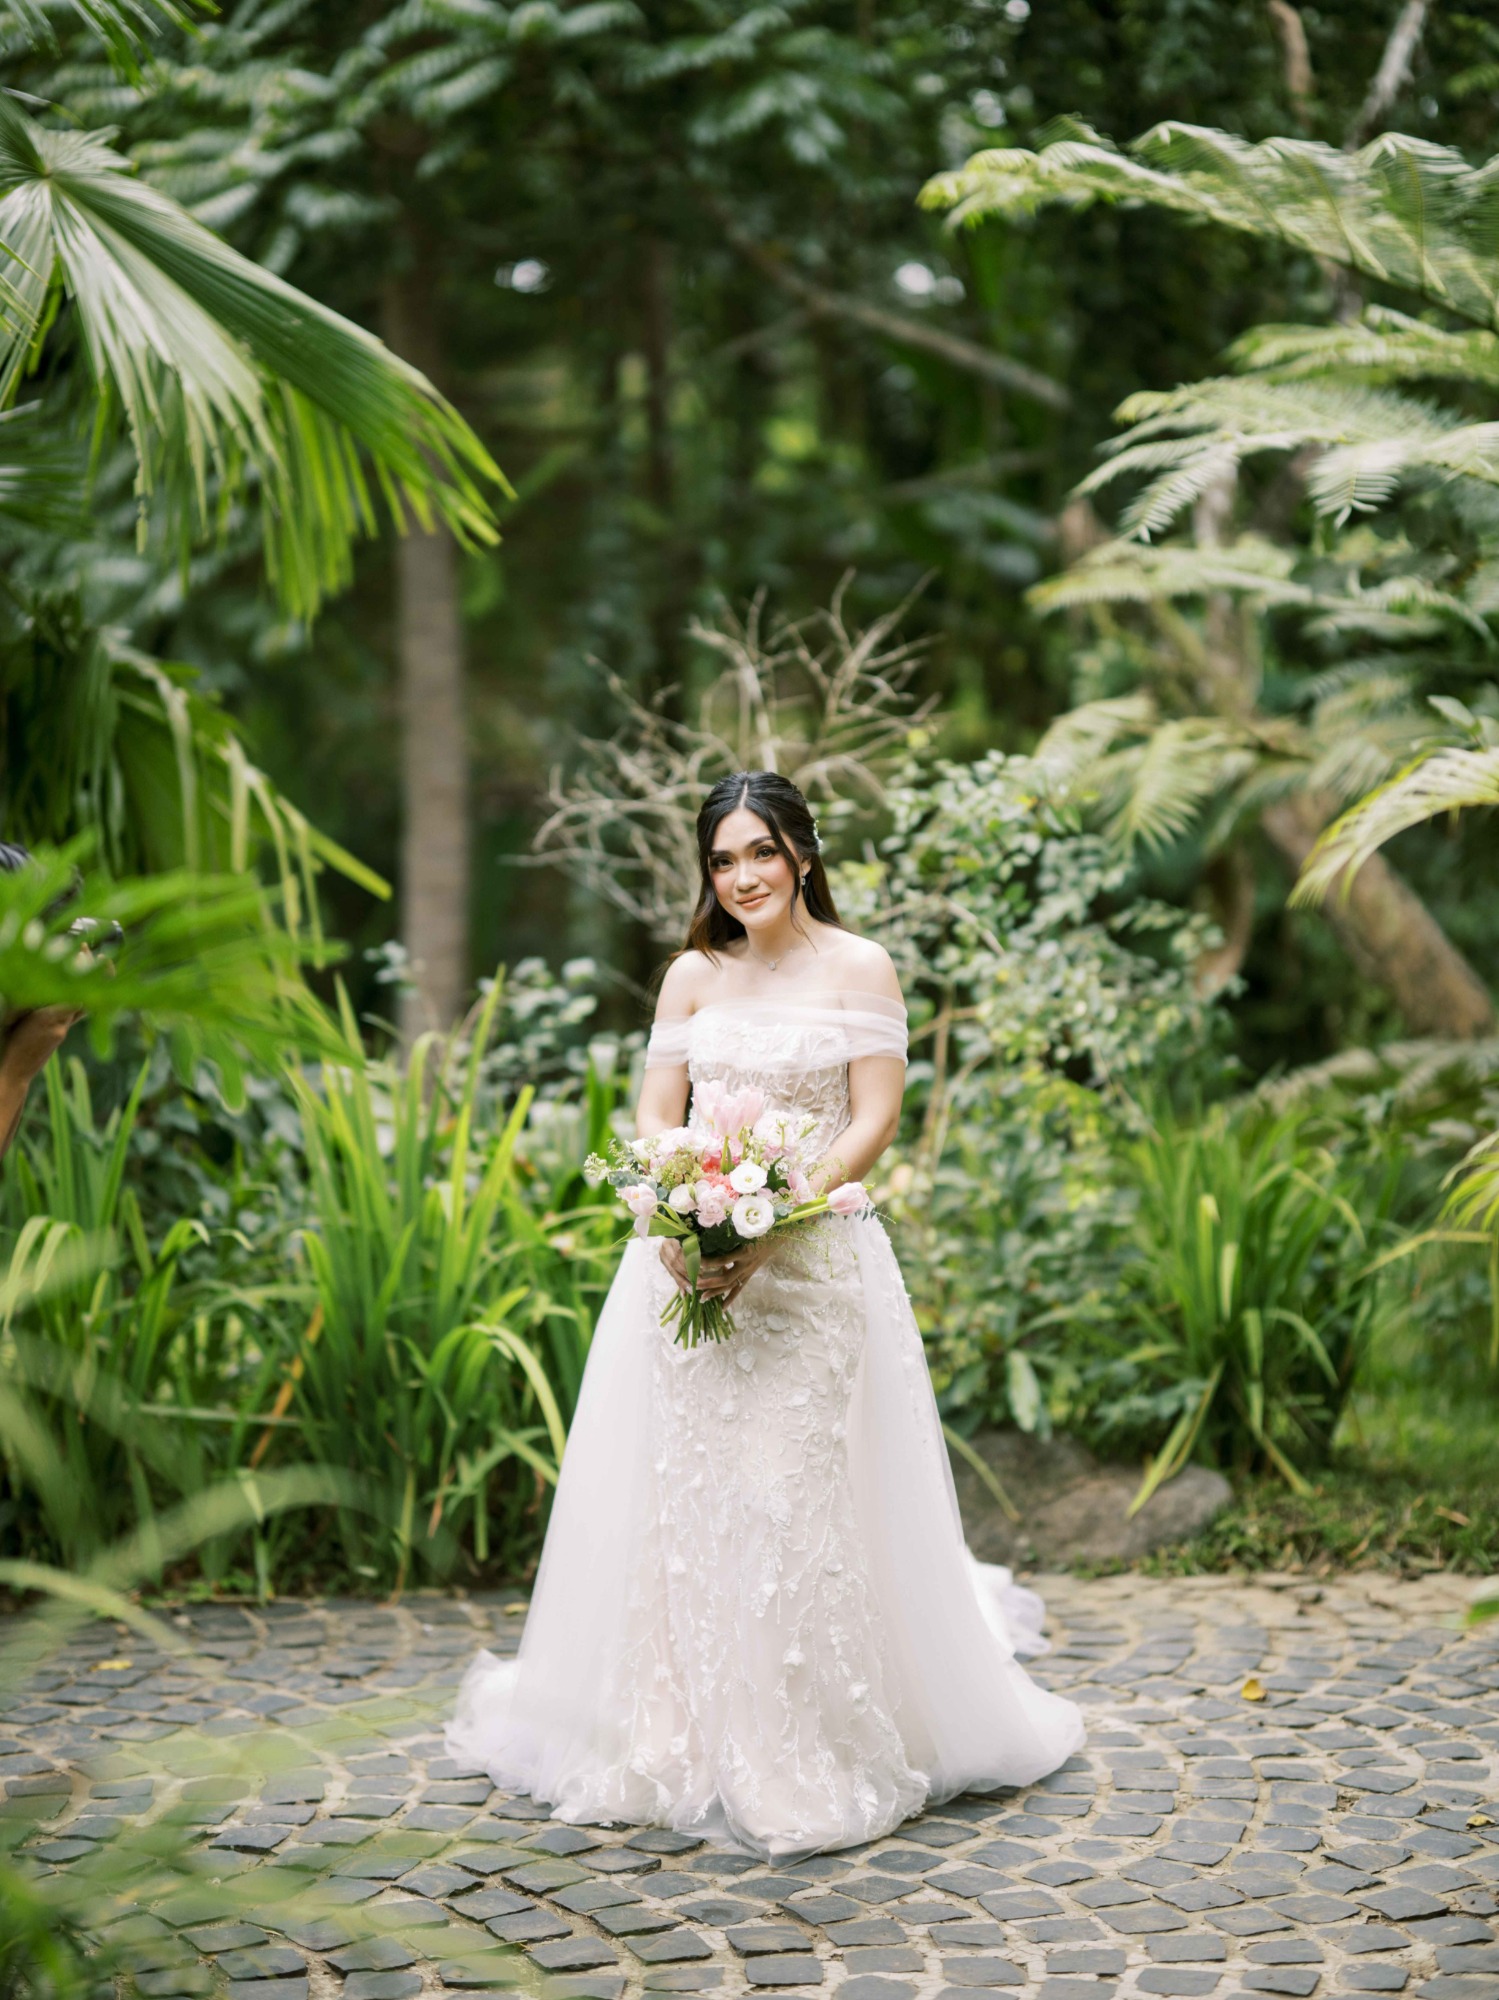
(726, 1277)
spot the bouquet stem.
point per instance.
(697, 1318)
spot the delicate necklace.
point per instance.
(771, 963)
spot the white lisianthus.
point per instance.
(753, 1214)
(681, 1199)
(747, 1178)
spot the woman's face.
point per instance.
(751, 878)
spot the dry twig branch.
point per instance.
(828, 707)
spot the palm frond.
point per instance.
(1450, 780)
(1399, 210)
(41, 474)
(123, 26)
(228, 377)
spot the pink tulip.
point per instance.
(849, 1198)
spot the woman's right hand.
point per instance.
(676, 1263)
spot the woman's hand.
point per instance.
(726, 1277)
(718, 1277)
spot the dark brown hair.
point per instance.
(793, 833)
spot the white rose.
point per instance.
(753, 1214)
(747, 1178)
(681, 1199)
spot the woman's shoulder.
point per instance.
(684, 985)
(865, 966)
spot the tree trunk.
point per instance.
(1389, 933)
(434, 734)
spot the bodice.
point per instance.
(796, 1052)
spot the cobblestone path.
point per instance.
(1287, 1789)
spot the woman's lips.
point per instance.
(752, 902)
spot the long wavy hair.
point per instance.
(793, 832)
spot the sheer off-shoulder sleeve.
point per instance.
(667, 1047)
(874, 1024)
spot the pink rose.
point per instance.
(849, 1198)
(712, 1210)
(799, 1185)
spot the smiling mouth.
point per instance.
(752, 902)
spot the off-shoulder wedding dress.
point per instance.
(755, 1616)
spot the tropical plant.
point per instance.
(228, 379)
(1454, 778)
(417, 1362)
(1045, 996)
(1225, 738)
(1253, 1293)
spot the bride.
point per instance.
(755, 1617)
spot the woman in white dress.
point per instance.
(755, 1617)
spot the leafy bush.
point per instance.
(375, 1267)
(1044, 991)
(1252, 1291)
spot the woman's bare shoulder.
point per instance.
(866, 965)
(684, 986)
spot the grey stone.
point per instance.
(784, 1969)
(750, 1940)
(1177, 1979)
(376, 1954)
(1298, 1980)
(269, 1961)
(1400, 1905)
(1188, 1947)
(267, 1989)
(381, 1985)
(529, 1927)
(585, 1896)
(982, 1972)
(871, 1986)
(633, 1921)
(572, 1954)
(868, 1931)
(1375, 1978)
(1075, 1508)
(1370, 1937)
(672, 1948)
(683, 1978)
(885, 1958)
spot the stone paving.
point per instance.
(1288, 1789)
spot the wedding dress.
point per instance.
(755, 1616)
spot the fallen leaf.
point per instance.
(1479, 1819)
(112, 1666)
(1451, 1514)
(1253, 1689)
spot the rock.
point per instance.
(1073, 1508)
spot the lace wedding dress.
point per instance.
(755, 1616)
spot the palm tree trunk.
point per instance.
(1388, 932)
(435, 862)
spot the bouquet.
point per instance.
(730, 1176)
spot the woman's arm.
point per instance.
(876, 1085)
(662, 1103)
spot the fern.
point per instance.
(1400, 210)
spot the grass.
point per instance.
(1413, 1485)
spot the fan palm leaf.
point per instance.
(228, 378)
(1401, 210)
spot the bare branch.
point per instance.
(1393, 73)
(828, 707)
